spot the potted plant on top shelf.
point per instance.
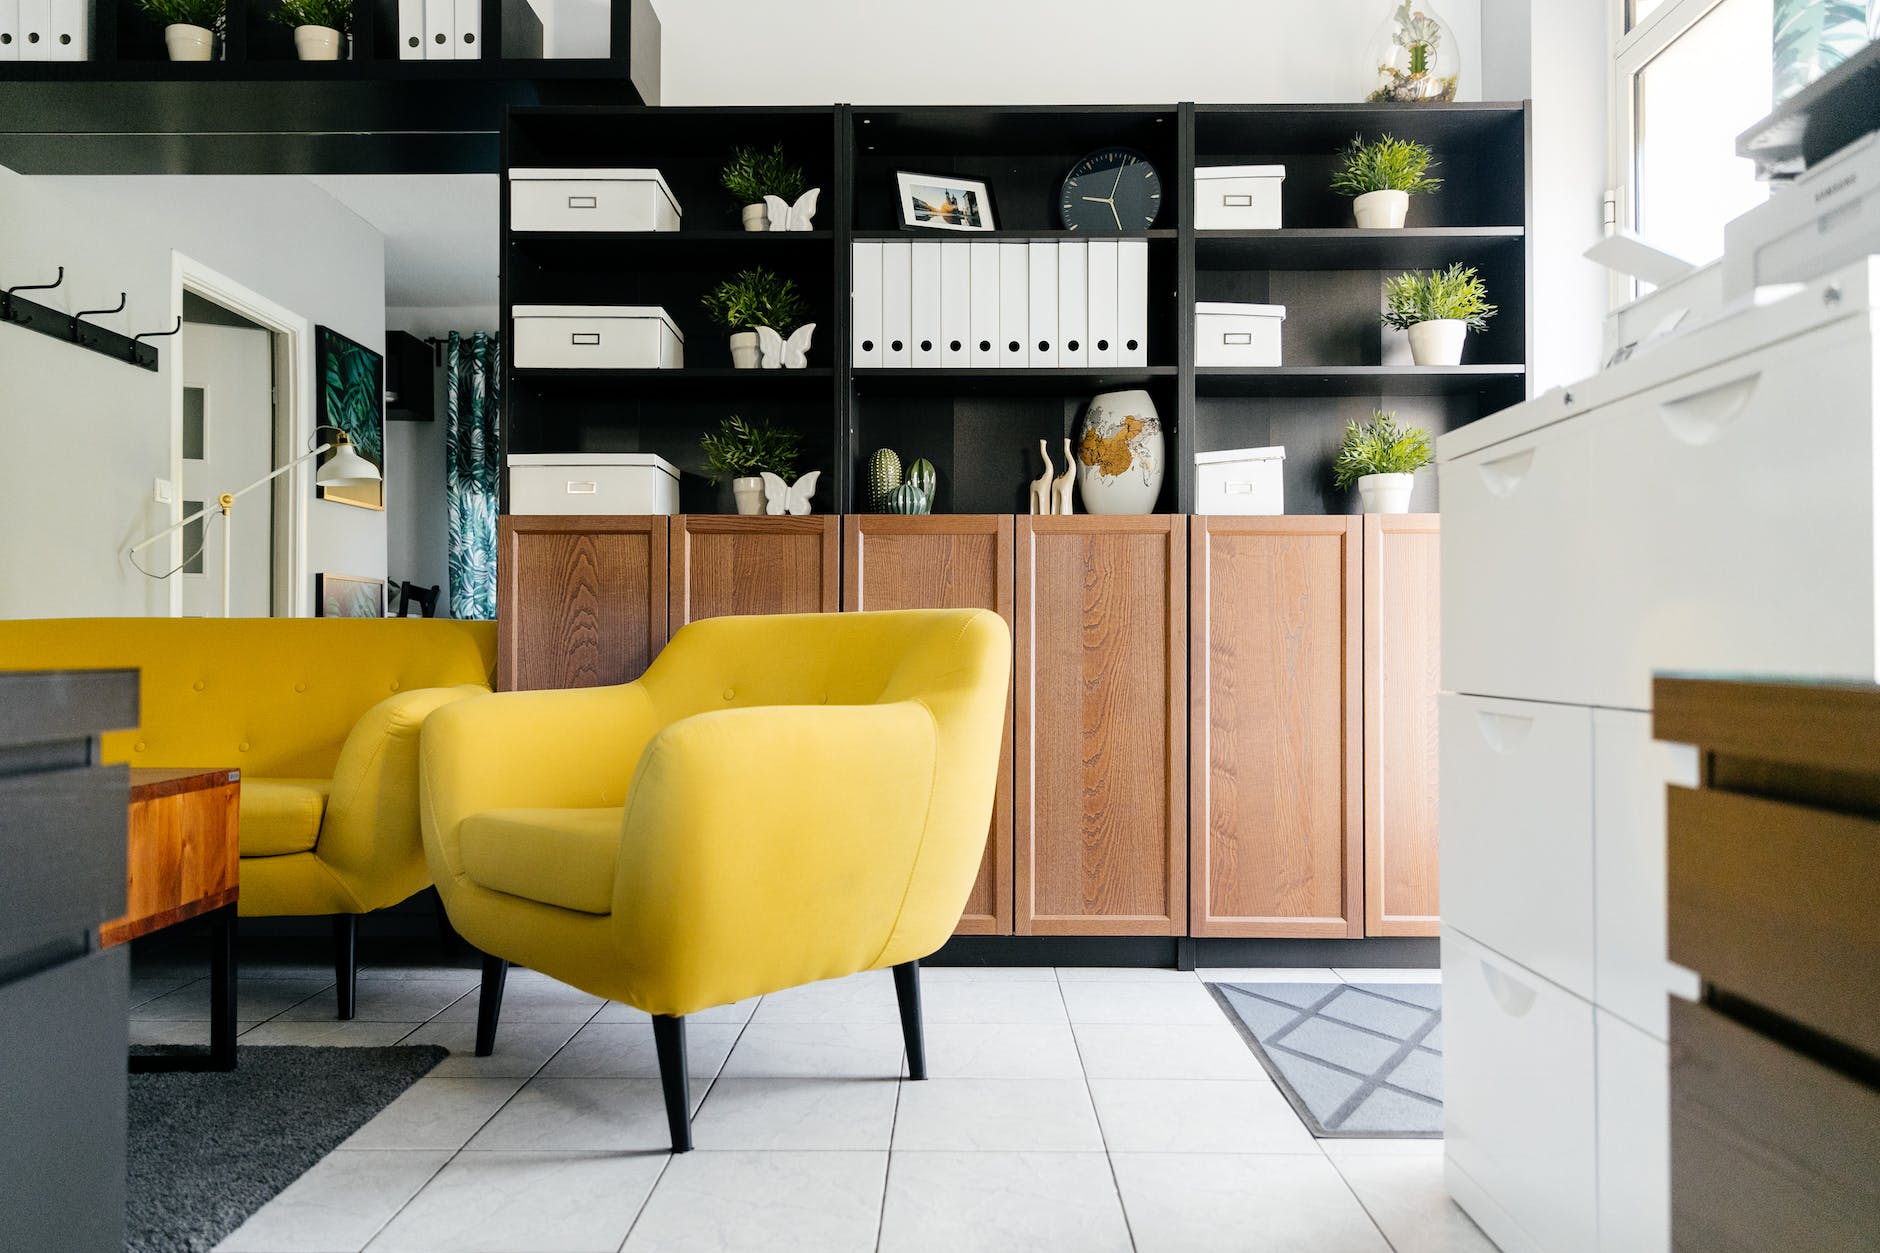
(190, 27)
(1438, 308)
(764, 314)
(770, 187)
(744, 452)
(319, 26)
(1381, 458)
(1382, 176)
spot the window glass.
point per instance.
(193, 436)
(1640, 10)
(194, 534)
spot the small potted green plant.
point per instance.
(190, 27)
(757, 298)
(742, 451)
(756, 178)
(1438, 308)
(1381, 177)
(319, 26)
(1380, 458)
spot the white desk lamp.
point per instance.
(346, 469)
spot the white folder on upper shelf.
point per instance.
(411, 30)
(67, 31)
(35, 22)
(897, 304)
(983, 326)
(1132, 302)
(1041, 350)
(467, 39)
(440, 29)
(9, 30)
(1102, 293)
(1014, 304)
(1073, 311)
(956, 306)
(926, 323)
(867, 315)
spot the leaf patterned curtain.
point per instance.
(473, 443)
(1814, 36)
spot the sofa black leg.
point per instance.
(907, 992)
(669, 1043)
(490, 1003)
(345, 962)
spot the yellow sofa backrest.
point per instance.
(273, 697)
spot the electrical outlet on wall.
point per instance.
(164, 491)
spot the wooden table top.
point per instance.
(184, 838)
(150, 782)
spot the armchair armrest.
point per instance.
(771, 846)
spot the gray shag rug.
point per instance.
(207, 1149)
(1354, 1059)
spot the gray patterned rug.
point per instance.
(1354, 1059)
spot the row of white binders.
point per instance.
(983, 304)
(440, 30)
(45, 30)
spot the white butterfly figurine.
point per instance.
(792, 217)
(781, 353)
(782, 497)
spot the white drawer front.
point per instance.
(591, 490)
(1517, 559)
(597, 344)
(1518, 1093)
(589, 205)
(1735, 512)
(1634, 1139)
(1632, 975)
(1517, 831)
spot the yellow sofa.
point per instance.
(321, 716)
(777, 800)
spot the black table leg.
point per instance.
(220, 1055)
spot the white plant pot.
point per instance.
(316, 43)
(189, 43)
(1438, 342)
(745, 353)
(1385, 493)
(750, 494)
(756, 217)
(1121, 454)
(1382, 210)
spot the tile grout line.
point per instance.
(1381, 1233)
(1116, 1185)
(887, 1161)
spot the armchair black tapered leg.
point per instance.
(669, 1043)
(907, 992)
(490, 1003)
(345, 961)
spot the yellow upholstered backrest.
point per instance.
(274, 697)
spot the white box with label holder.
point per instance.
(1237, 334)
(1238, 197)
(597, 337)
(591, 200)
(1247, 482)
(597, 483)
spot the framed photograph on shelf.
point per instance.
(944, 202)
(348, 596)
(351, 380)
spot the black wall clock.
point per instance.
(1113, 190)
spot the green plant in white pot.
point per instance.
(1380, 458)
(1438, 308)
(190, 27)
(743, 451)
(320, 26)
(756, 177)
(1381, 176)
(757, 298)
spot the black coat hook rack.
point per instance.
(73, 329)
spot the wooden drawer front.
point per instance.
(726, 564)
(185, 859)
(1402, 682)
(1773, 903)
(581, 601)
(1769, 1150)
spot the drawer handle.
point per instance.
(1237, 202)
(1504, 474)
(584, 202)
(1237, 489)
(1698, 418)
(1505, 733)
(585, 339)
(1514, 997)
(1237, 338)
(581, 489)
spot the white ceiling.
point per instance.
(440, 234)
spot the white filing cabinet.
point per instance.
(1709, 505)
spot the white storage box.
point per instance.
(591, 200)
(1231, 334)
(1238, 197)
(1243, 481)
(602, 482)
(597, 337)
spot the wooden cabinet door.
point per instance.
(1275, 813)
(1100, 730)
(950, 561)
(1402, 664)
(732, 564)
(580, 601)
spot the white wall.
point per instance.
(86, 437)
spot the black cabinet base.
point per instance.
(1184, 952)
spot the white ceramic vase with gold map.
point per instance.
(1121, 454)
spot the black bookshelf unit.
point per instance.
(981, 427)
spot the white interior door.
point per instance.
(228, 443)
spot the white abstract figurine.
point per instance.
(791, 217)
(782, 497)
(786, 354)
(1067, 481)
(1041, 489)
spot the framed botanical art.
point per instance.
(348, 596)
(351, 382)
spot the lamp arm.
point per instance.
(230, 497)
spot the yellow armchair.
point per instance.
(777, 800)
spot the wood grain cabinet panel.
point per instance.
(1402, 665)
(1100, 726)
(952, 561)
(731, 564)
(1275, 818)
(580, 601)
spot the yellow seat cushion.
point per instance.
(563, 857)
(282, 816)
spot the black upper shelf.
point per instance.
(1356, 380)
(1351, 248)
(1005, 381)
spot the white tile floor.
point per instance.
(1077, 1109)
